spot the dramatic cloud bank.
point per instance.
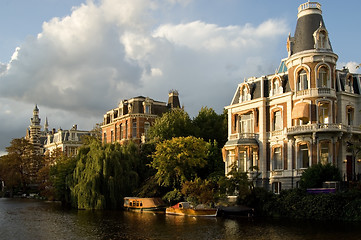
(81, 65)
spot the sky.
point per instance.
(76, 59)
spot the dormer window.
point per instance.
(323, 78)
(320, 37)
(244, 94)
(302, 80)
(349, 84)
(276, 87)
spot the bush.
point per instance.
(314, 176)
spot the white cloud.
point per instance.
(353, 67)
(81, 65)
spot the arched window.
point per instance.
(350, 114)
(276, 87)
(244, 94)
(323, 80)
(349, 84)
(302, 81)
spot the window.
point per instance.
(104, 137)
(277, 121)
(126, 130)
(348, 84)
(244, 94)
(349, 116)
(242, 159)
(276, 87)
(277, 158)
(323, 78)
(246, 122)
(121, 131)
(277, 187)
(111, 136)
(324, 152)
(303, 156)
(231, 160)
(147, 109)
(323, 113)
(134, 132)
(302, 81)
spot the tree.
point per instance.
(177, 160)
(20, 166)
(104, 175)
(211, 126)
(52, 177)
(199, 191)
(175, 123)
(314, 176)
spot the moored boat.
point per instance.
(235, 211)
(186, 209)
(144, 204)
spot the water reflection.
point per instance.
(29, 219)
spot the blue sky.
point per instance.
(76, 59)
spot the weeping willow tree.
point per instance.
(103, 175)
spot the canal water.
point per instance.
(32, 219)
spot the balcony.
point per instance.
(317, 127)
(242, 139)
(316, 92)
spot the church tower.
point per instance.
(34, 130)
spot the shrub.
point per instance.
(314, 176)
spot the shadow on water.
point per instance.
(31, 219)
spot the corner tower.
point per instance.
(311, 62)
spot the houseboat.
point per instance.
(144, 204)
(186, 209)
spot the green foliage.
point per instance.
(104, 175)
(314, 176)
(199, 191)
(60, 175)
(211, 126)
(236, 183)
(172, 197)
(178, 160)
(19, 167)
(175, 123)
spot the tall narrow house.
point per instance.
(307, 112)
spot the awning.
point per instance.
(301, 110)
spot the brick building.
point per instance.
(132, 118)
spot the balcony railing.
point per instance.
(317, 127)
(308, 5)
(235, 136)
(316, 92)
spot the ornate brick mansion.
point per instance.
(133, 117)
(308, 112)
